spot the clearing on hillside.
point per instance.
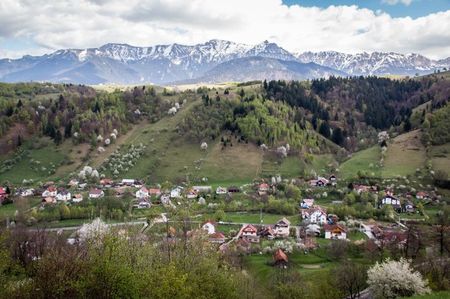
(365, 160)
(404, 155)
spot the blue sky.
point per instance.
(417, 8)
(403, 26)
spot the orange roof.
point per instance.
(250, 228)
(280, 256)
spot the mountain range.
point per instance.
(213, 61)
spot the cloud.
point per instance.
(395, 2)
(90, 23)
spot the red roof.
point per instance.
(95, 191)
(2, 190)
(154, 191)
(249, 228)
(280, 256)
(51, 189)
(332, 227)
(217, 235)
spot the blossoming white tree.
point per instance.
(94, 231)
(392, 279)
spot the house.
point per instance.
(77, 197)
(142, 193)
(281, 228)
(422, 195)
(249, 233)
(165, 199)
(319, 182)
(176, 192)
(263, 188)
(191, 194)
(50, 192)
(313, 230)
(333, 179)
(48, 200)
(25, 192)
(315, 215)
(128, 182)
(335, 231)
(218, 238)
(280, 258)
(96, 193)
(82, 186)
(364, 188)
(234, 189)
(143, 204)
(63, 195)
(307, 203)
(221, 190)
(389, 199)
(154, 192)
(202, 189)
(107, 183)
(3, 194)
(209, 226)
(73, 183)
(409, 207)
(267, 232)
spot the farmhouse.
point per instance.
(319, 182)
(335, 231)
(142, 193)
(234, 189)
(217, 238)
(202, 189)
(209, 226)
(393, 201)
(77, 198)
(263, 188)
(409, 207)
(128, 182)
(281, 228)
(267, 232)
(221, 190)
(50, 192)
(280, 258)
(107, 183)
(307, 203)
(154, 192)
(176, 192)
(191, 194)
(96, 193)
(63, 195)
(315, 215)
(23, 192)
(422, 195)
(249, 233)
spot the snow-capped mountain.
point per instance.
(162, 64)
(376, 63)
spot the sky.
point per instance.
(36, 27)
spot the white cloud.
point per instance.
(395, 2)
(91, 23)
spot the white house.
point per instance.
(128, 182)
(165, 199)
(209, 227)
(281, 228)
(221, 190)
(321, 181)
(144, 205)
(202, 189)
(96, 193)
(50, 192)
(26, 192)
(335, 231)
(142, 193)
(63, 195)
(77, 198)
(315, 215)
(176, 192)
(250, 233)
(393, 201)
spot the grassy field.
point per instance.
(47, 156)
(440, 157)
(255, 218)
(404, 155)
(362, 160)
(8, 210)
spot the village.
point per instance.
(315, 221)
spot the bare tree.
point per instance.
(351, 279)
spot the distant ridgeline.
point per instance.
(319, 114)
